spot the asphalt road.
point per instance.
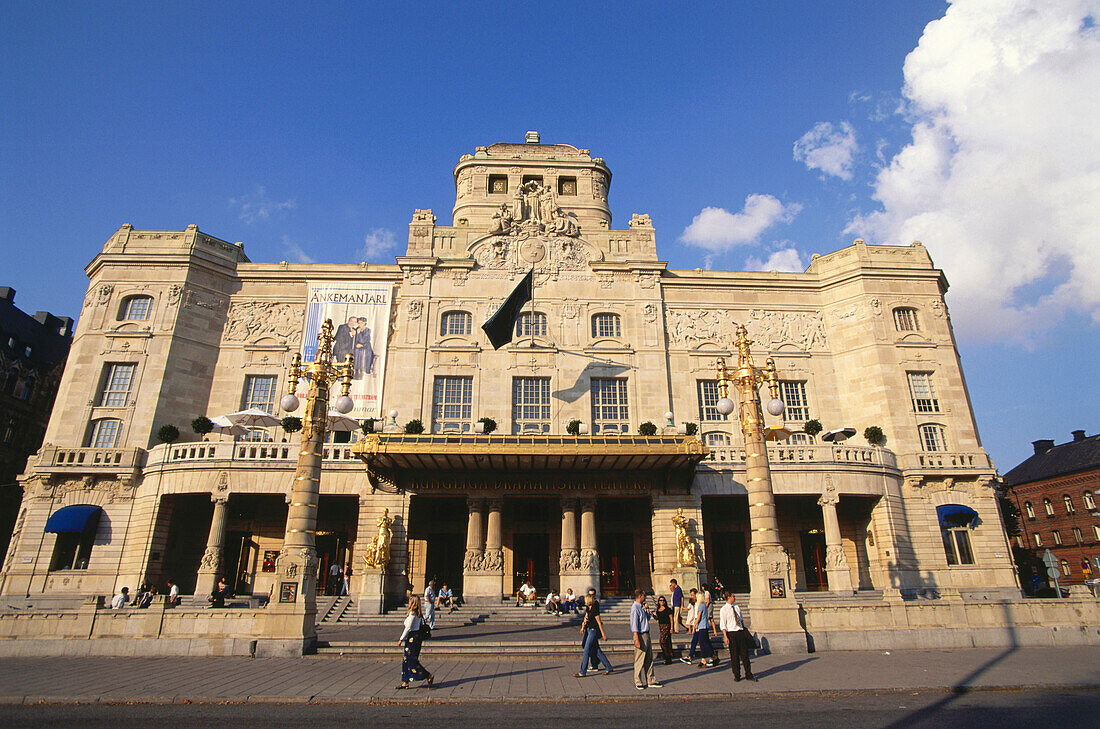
(999, 709)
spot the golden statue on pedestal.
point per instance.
(685, 548)
(378, 549)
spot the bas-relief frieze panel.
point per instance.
(771, 329)
(250, 321)
(552, 258)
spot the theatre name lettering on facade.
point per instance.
(179, 324)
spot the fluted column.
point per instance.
(836, 562)
(570, 559)
(211, 566)
(483, 565)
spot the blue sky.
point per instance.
(754, 134)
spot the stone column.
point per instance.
(483, 565)
(589, 575)
(211, 565)
(836, 562)
(569, 561)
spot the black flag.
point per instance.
(502, 324)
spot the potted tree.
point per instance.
(202, 426)
(874, 435)
(647, 429)
(488, 425)
(168, 434)
(414, 427)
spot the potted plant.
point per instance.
(414, 427)
(574, 427)
(874, 435)
(647, 429)
(691, 428)
(202, 426)
(368, 425)
(291, 424)
(812, 428)
(488, 425)
(168, 434)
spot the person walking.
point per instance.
(429, 604)
(412, 640)
(677, 606)
(700, 632)
(643, 644)
(664, 624)
(345, 589)
(592, 632)
(736, 637)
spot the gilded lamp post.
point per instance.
(296, 570)
(768, 560)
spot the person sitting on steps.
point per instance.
(525, 595)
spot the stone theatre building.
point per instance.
(178, 324)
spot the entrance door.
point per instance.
(443, 561)
(240, 561)
(331, 549)
(730, 559)
(813, 560)
(617, 564)
(531, 560)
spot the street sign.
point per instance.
(1036, 579)
(1053, 573)
(1050, 560)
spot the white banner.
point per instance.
(360, 313)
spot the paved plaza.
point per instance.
(496, 679)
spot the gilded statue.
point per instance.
(378, 549)
(685, 548)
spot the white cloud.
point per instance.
(784, 259)
(718, 230)
(377, 244)
(295, 252)
(828, 148)
(1001, 180)
(258, 206)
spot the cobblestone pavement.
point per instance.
(319, 680)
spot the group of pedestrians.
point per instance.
(145, 596)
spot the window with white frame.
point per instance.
(716, 438)
(259, 392)
(1057, 535)
(922, 392)
(1068, 502)
(793, 393)
(105, 433)
(933, 438)
(1090, 503)
(800, 439)
(708, 401)
(1077, 536)
(906, 320)
(456, 324)
(137, 308)
(452, 404)
(1038, 539)
(610, 412)
(531, 325)
(956, 544)
(606, 325)
(1048, 506)
(117, 383)
(530, 404)
(1029, 509)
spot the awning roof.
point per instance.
(73, 519)
(955, 515)
(515, 453)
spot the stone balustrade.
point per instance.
(284, 454)
(946, 461)
(55, 459)
(780, 454)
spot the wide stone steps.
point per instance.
(565, 650)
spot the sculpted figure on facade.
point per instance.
(590, 560)
(803, 329)
(378, 549)
(685, 548)
(533, 211)
(570, 560)
(249, 321)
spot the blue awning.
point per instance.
(73, 519)
(955, 515)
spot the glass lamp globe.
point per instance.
(775, 406)
(344, 404)
(724, 406)
(289, 402)
(393, 415)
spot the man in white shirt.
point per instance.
(119, 601)
(334, 574)
(173, 593)
(525, 594)
(736, 637)
(429, 604)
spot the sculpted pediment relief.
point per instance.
(775, 330)
(548, 255)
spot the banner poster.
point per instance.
(360, 313)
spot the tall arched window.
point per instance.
(105, 433)
(1068, 502)
(531, 325)
(906, 320)
(136, 308)
(456, 324)
(606, 325)
(1029, 509)
(1090, 503)
(1048, 506)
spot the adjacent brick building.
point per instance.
(1056, 491)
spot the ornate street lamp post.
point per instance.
(295, 595)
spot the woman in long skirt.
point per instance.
(411, 670)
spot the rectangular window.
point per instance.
(606, 325)
(452, 404)
(259, 392)
(610, 413)
(498, 184)
(932, 438)
(956, 544)
(532, 178)
(708, 400)
(72, 551)
(530, 404)
(1077, 535)
(105, 433)
(117, 385)
(567, 185)
(794, 398)
(922, 393)
(1057, 536)
(1038, 539)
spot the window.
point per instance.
(610, 413)
(137, 308)
(456, 324)
(1048, 506)
(259, 392)
(531, 325)
(795, 401)
(933, 438)
(72, 550)
(1090, 503)
(606, 325)
(1029, 509)
(905, 319)
(1096, 532)
(530, 404)
(567, 185)
(452, 404)
(716, 438)
(956, 544)
(117, 383)
(708, 401)
(532, 178)
(1065, 568)
(1077, 537)
(1068, 502)
(800, 439)
(23, 387)
(920, 389)
(1020, 542)
(1057, 535)
(498, 184)
(1038, 539)
(105, 433)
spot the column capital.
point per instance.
(219, 499)
(494, 503)
(474, 504)
(588, 504)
